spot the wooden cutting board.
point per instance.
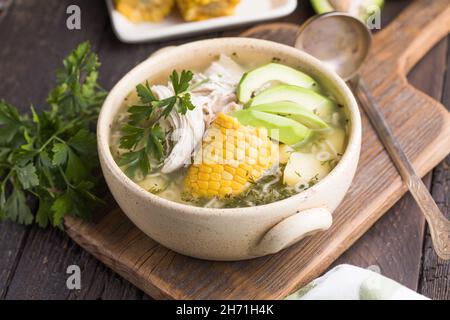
(421, 124)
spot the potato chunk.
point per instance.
(304, 168)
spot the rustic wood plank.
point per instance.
(16, 84)
(124, 57)
(41, 271)
(165, 274)
(435, 280)
(395, 242)
(12, 240)
(51, 252)
(116, 52)
(35, 260)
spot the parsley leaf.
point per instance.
(167, 106)
(139, 113)
(155, 142)
(185, 104)
(145, 93)
(61, 206)
(51, 157)
(132, 136)
(44, 212)
(83, 142)
(181, 83)
(135, 160)
(76, 170)
(27, 176)
(10, 122)
(60, 154)
(16, 207)
(143, 130)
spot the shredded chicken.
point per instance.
(187, 132)
(215, 93)
(218, 93)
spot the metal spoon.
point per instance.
(343, 43)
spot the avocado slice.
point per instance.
(282, 129)
(255, 79)
(320, 105)
(293, 111)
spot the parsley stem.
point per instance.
(60, 140)
(65, 178)
(7, 177)
(55, 136)
(46, 143)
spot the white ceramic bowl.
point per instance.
(238, 233)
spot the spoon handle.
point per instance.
(437, 222)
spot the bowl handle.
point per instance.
(292, 229)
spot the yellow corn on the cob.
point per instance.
(232, 156)
(194, 10)
(144, 10)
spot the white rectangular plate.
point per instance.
(248, 11)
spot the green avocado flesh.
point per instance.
(293, 111)
(280, 128)
(320, 105)
(257, 78)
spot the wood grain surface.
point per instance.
(33, 261)
(165, 274)
(435, 279)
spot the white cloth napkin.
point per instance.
(346, 282)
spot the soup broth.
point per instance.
(230, 135)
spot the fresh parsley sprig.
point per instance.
(142, 135)
(51, 157)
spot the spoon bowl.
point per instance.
(339, 40)
(343, 43)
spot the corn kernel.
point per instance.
(240, 172)
(226, 183)
(226, 190)
(236, 186)
(251, 161)
(240, 180)
(263, 161)
(230, 169)
(214, 185)
(241, 154)
(203, 184)
(227, 176)
(203, 176)
(205, 169)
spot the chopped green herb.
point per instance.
(254, 195)
(313, 180)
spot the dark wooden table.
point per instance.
(33, 262)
